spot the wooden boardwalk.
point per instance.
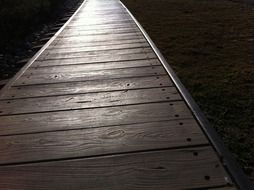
(96, 109)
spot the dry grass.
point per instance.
(210, 44)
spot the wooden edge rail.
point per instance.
(226, 157)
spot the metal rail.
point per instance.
(226, 157)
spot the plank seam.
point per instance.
(95, 107)
(83, 46)
(117, 61)
(105, 50)
(58, 95)
(106, 155)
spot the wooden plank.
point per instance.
(100, 141)
(106, 10)
(115, 30)
(89, 118)
(176, 169)
(94, 59)
(102, 47)
(87, 54)
(95, 44)
(48, 78)
(93, 67)
(102, 23)
(94, 21)
(97, 32)
(100, 27)
(90, 100)
(101, 14)
(98, 19)
(86, 87)
(98, 38)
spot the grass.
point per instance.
(210, 45)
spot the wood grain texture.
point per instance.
(89, 118)
(69, 88)
(95, 59)
(88, 54)
(92, 67)
(95, 17)
(100, 20)
(103, 22)
(89, 75)
(98, 38)
(101, 14)
(68, 33)
(62, 44)
(176, 169)
(90, 100)
(99, 27)
(100, 141)
(95, 48)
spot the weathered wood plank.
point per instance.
(89, 118)
(99, 27)
(96, 48)
(100, 16)
(87, 87)
(95, 59)
(102, 23)
(45, 78)
(108, 10)
(100, 19)
(90, 100)
(98, 38)
(176, 169)
(88, 54)
(100, 141)
(93, 67)
(95, 44)
(101, 13)
(97, 32)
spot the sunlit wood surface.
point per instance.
(97, 110)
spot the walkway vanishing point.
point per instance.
(98, 107)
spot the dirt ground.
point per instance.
(210, 45)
